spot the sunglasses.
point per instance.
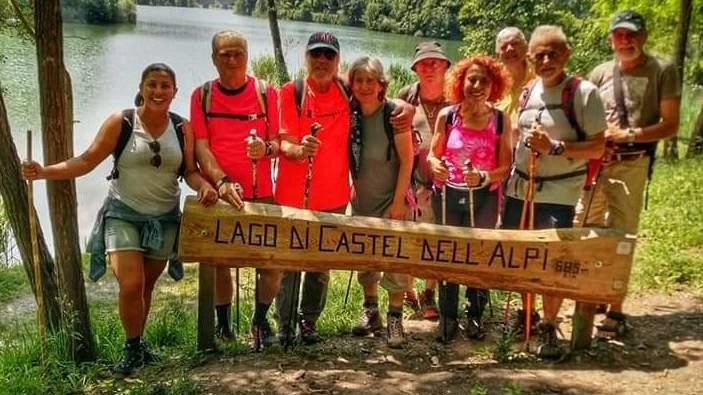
(540, 57)
(327, 53)
(155, 147)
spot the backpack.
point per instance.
(568, 95)
(355, 135)
(567, 103)
(498, 114)
(261, 87)
(300, 88)
(126, 133)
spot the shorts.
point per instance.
(122, 235)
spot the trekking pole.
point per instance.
(470, 167)
(257, 328)
(444, 222)
(346, 294)
(314, 128)
(527, 221)
(36, 263)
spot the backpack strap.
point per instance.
(205, 98)
(525, 95)
(125, 133)
(344, 88)
(261, 88)
(414, 94)
(299, 90)
(388, 108)
(568, 95)
(178, 123)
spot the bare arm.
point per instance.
(439, 141)
(227, 191)
(667, 127)
(103, 145)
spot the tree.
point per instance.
(56, 105)
(671, 150)
(14, 197)
(281, 70)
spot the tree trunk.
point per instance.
(14, 195)
(695, 146)
(281, 70)
(671, 149)
(57, 138)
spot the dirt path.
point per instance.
(663, 354)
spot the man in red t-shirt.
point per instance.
(323, 98)
(223, 113)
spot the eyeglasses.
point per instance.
(155, 147)
(327, 53)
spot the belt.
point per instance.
(628, 156)
(540, 180)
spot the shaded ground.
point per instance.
(663, 354)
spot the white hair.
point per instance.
(507, 32)
(551, 31)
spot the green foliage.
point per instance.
(399, 76)
(481, 20)
(99, 11)
(13, 282)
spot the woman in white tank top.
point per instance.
(138, 222)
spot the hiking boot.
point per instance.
(286, 336)
(261, 336)
(473, 329)
(369, 322)
(394, 331)
(429, 307)
(410, 300)
(548, 347)
(518, 329)
(601, 309)
(447, 329)
(132, 359)
(308, 333)
(224, 332)
(613, 326)
(149, 355)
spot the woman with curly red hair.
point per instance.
(469, 158)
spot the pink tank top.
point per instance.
(477, 145)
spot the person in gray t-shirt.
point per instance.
(562, 152)
(381, 164)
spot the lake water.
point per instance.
(105, 63)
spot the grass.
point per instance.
(13, 283)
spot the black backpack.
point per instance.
(126, 133)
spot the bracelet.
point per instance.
(222, 181)
(485, 179)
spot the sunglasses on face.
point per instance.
(155, 147)
(542, 56)
(327, 53)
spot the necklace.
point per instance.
(431, 111)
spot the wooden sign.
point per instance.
(584, 264)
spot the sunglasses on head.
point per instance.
(155, 147)
(327, 53)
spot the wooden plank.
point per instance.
(582, 330)
(584, 264)
(206, 307)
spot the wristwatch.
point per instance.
(269, 149)
(630, 136)
(222, 181)
(557, 148)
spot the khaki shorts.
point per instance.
(391, 282)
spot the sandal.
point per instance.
(613, 326)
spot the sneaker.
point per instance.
(410, 300)
(429, 307)
(613, 326)
(369, 322)
(447, 330)
(548, 347)
(474, 330)
(394, 331)
(308, 333)
(148, 354)
(132, 359)
(261, 336)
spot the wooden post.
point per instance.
(206, 307)
(582, 325)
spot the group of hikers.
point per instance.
(508, 131)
